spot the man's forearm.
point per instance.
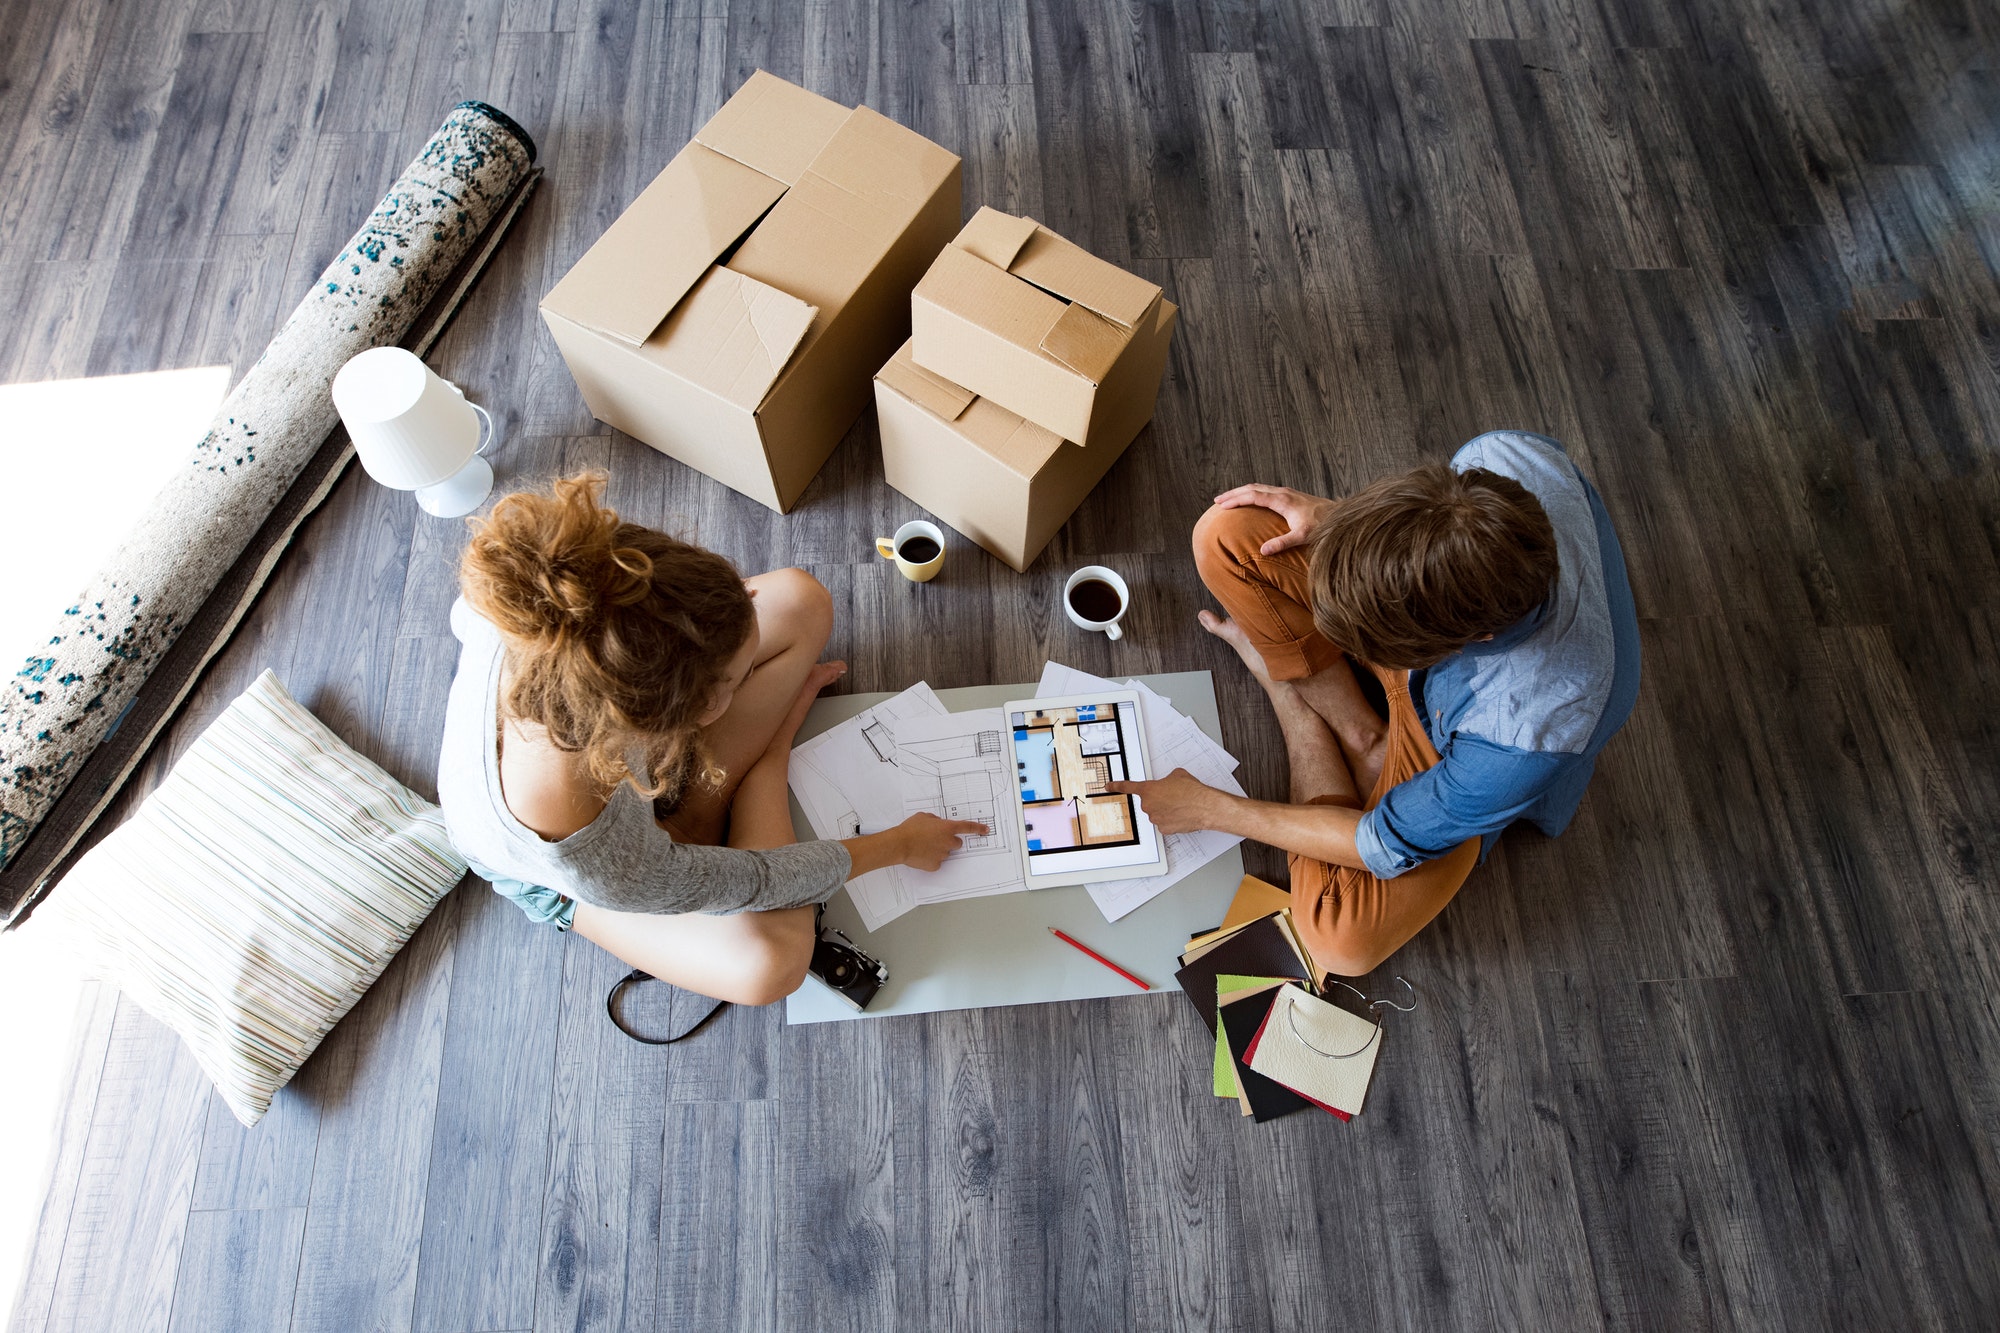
(1322, 832)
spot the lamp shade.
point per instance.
(410, 428)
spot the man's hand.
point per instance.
(1176, 803)
(1302, 511)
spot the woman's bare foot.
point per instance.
(822, 675)
(1232, 634)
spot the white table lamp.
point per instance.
(415, 431)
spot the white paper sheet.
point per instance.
(959, 766)
(1173, 740)
(847, 783)
(997, 950)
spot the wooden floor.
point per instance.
(1726, 1055)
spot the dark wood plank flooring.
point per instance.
(1725, 1055)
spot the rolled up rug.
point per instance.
(241, 487)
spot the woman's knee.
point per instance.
(793, 608)
(772, 965)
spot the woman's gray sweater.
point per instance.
(622, 860)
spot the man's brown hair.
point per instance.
(1411, 568)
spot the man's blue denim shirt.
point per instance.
(1518, 721)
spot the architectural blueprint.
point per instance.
(847, 782)
(957, 766)
(907, 754)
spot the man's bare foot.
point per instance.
(1367, 766)
(1335, 694)
(1233, 634)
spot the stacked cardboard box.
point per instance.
(1030, 367)
(732, 316)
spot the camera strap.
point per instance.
(636, 975)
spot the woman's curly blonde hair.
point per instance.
(617, 636)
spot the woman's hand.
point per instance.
(928, 840)
(1303, 512)
(921, 842)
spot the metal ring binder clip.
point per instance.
(1292, 1020)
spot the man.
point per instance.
(1489, 598)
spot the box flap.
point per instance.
(731, 336)
(870, 154)
(830, 231)
(776, 127)
(1075, 274)
(1086, 342)
(659, 247)
(974, 290)
(920, 386)
(995, 237)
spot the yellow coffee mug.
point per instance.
(915, 538)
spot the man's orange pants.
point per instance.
(1349, 919)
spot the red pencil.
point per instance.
(1100, 958)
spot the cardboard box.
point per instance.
(1043, 328)
(1004, 482)
(733, 315)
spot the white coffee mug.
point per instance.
(1108, 577)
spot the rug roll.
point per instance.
(72, 693)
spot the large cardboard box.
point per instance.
(732, 317)
(1043, 328)
(1005, 482)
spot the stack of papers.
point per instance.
(908, 754)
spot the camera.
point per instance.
(843, 969)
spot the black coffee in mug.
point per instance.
(918, 550)
(1095, 600)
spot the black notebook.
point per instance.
(1258, 950)
(1240, 1020)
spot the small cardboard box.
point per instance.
(1042, 327)
(732, 316)
(1006, 483)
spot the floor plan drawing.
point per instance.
(956, 766)
(1064, 758)
(847, 781)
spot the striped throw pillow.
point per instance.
(257, 893)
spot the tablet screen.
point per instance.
(1066, 752)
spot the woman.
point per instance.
(616, 743)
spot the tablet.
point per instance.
(1073, 831)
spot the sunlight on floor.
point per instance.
(80, 461)
(32, 981)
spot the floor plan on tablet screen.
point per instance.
(1066, 753)
(1065, 757)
